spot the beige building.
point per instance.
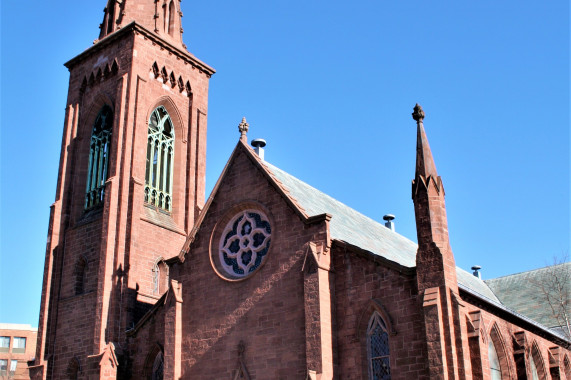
(17, 346)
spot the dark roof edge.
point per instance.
(133, 26)
(520, 319)
(376, 258)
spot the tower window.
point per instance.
(171, 18)
(80, 276)
(99, 158)
(378, 349)
(160, 160)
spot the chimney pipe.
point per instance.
(476, 273)
(389, 221)
(259, 145)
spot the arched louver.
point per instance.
(160, 160)
(99, 149)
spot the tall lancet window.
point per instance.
(171, 18)
(99, 158)
(495, 369)
(378, 349)
(160, 160)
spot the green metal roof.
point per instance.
(350, 226)
(524, 292)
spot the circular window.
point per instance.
(243, 245)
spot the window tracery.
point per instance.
(97, 170)
(378, 349)
(160, 160)
(245, 243)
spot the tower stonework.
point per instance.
(443, 309)
(130, 186)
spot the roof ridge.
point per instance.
(528, 271)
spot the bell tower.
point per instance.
(131, 184)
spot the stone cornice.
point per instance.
(139, 29)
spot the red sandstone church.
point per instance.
(267, 279)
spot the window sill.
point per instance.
(160, 218)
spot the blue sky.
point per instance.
(331, 86)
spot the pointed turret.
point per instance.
(424, 161)
(435, 261)
(162, 17)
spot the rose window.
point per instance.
(245, 243)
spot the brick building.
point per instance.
(17, 347)
(267, 279)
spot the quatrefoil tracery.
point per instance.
(244, 243)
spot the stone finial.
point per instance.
(243, 128)
(418, 113)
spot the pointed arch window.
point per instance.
(158, 366)
(159, 277)
(80, 276)
(160, 160)
(99, 149)
(378, 349)
(171, 18)
(495, 369)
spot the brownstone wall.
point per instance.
(514, 344)
(266, 310)
(123, 239)
(363, 286)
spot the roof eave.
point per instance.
(519, 319)
(137, 28)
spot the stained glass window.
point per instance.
(99, 149)
(160, 160)
(245, 243)
(378, 349)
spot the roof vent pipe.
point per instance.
(389, 221)
(476, 273)
(259, 145)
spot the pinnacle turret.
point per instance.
(435, 260)
(424, 162)
(162, 17)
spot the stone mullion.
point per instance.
(170, 172)
(90, 169)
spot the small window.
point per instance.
(378, 349)
(4, 343)
(80, 276)
(13, 365)
(159, 277)
(171, 18)
(3, 367)
(99, 149)
(160, 160)
(19, 345)
(158, 365)
(73, 369)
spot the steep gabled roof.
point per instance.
(526, 292)
(350, 226)
(347, 225)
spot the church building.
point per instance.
(268, 278)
